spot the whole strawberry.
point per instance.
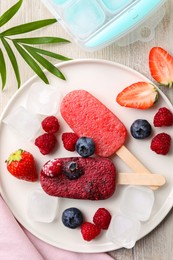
(163, 117)
(89, 231)
(102, 218)
(161, 143)
(46, 143)
(21, 164)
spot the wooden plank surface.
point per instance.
(158, 245)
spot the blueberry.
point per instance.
(140, 129)
(85, 146)
(72, 171)
(72, 217)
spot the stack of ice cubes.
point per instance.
(136, 206)
(42, 100)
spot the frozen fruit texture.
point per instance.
(102, 218)
(50, 124)
(161, 143)
(52, 168)
(89, 231)
(21, 164)
(72, 170)
(163, 117)
(46, 143)
(97, 182)
(69, 140)
(87, 116)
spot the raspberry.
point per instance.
(52, 168)
(102, 218)
(69, 140)
(89, 231)
(163, 117)
(50, 124)
(161, 143)
(46, 143)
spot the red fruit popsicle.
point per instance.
(92, 179)
(96, 180)
(87, 116)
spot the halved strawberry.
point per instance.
(140, 95)
(161, 66)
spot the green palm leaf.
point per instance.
(31, 62)
(41, 40)
(28, 27)
(3, 71)
(50, 54)
(32, 56)
(12, 59)
(44, 62)
(10, 13)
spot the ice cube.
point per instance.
(84, 17)
(41, 207)
(137, 202)
(116, 6)
(123, 231)
(43, 99)
(23, 122)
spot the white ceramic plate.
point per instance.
(104, 80)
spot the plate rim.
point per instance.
(165, 209)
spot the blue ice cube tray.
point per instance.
(93, 24)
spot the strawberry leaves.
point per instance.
(34, 57)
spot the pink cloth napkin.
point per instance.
(16, 243)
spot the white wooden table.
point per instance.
(158, 245)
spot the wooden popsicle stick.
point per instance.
(140, 179)
(133, 162)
